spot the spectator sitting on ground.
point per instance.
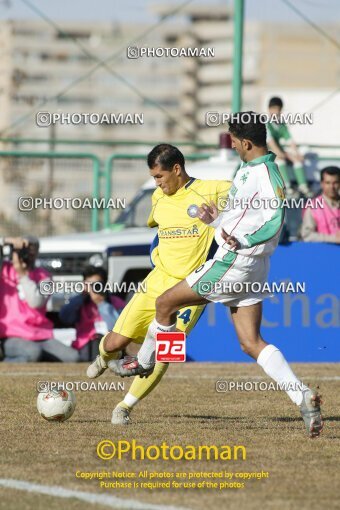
(322, 223)
(277, 134)
(26, 332)
(93, 313)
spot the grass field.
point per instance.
(184, 409)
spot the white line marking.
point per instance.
(48, 374)
(323, 377)
(247, 377)
(88, 497)
(213, 377)
(21, 374)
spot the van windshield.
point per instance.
(137, 213)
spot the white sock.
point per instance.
(146, 354)
(275, 365)
(130, 400)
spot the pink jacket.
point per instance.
(326, 218)
(89, 315)
(17, 318)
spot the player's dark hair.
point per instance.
(275, 101)
(248, 126)
(93, 270)
(330, 170)
(167, 156)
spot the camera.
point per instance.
(24, 253)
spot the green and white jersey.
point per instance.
(254, 213)
(278, 132)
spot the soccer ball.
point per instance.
(56, 405)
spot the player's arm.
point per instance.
(151, 221)
(210, 213)
(265, 232)
(270, 219)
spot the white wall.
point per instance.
(325, 129)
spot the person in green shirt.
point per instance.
(278, 137)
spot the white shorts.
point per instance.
(234, 280)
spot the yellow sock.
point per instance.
(125, 406)
(107, 356)
(142, 386)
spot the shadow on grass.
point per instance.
(286, 419)
(89, 420)
(289, 419)
(204, 417)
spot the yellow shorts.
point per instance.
(136, 317)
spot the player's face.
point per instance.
(330, 186)
(240, 146)
(167, 180)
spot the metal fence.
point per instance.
(38, 189)
(32, 184)
(53, 175)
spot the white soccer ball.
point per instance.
(56, 405)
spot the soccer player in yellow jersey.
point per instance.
(183, 243)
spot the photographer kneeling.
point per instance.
(26, 332)
(93, 313)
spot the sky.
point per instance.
(319, 11)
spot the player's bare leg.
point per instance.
(167, 306)
(115, 342)
(172, 300)
(247, 321)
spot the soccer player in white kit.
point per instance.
(247, 232)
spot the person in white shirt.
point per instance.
(247, 233)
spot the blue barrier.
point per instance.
(306, 327)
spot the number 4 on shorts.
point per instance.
(185, 316)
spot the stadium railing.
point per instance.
(52, 173)
(27, 176)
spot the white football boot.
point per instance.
(97, 367)
(120, 416)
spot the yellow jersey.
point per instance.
(183, 243)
